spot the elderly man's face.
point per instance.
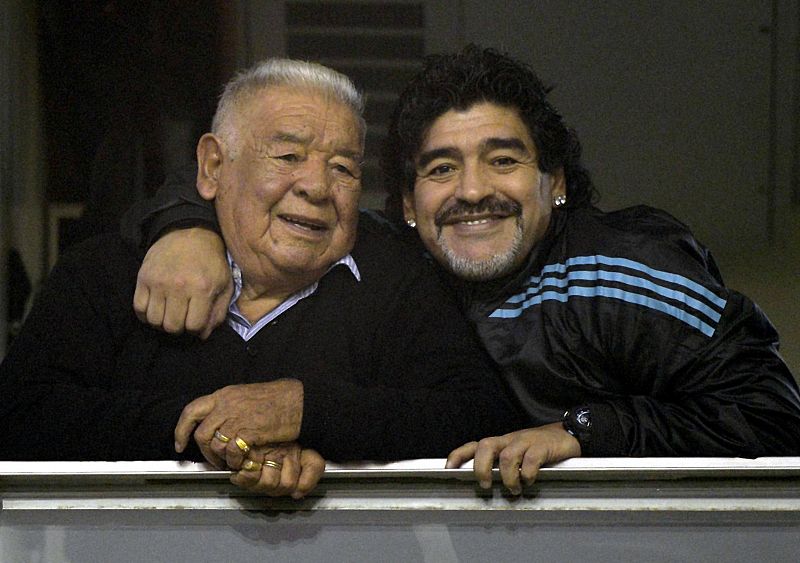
(287, 201)
(480, 201)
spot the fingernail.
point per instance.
(516, 491)
(485, 484)
(178, 447)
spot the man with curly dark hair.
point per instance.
(614, 330)
(616, 327)
(472, 83)
(459, 82)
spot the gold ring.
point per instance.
(242, 445)
(221, 437)
(273, 464)
(250, 465)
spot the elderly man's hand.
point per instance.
(235, 418)
(520, 454)
(280, 470)
(184, 283)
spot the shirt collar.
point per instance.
(236, 272)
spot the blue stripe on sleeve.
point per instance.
(612, 293)
(535, 294)
(658, 274)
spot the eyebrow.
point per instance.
(427, 157)
(494, 143)
(352, 155)
(490, 144)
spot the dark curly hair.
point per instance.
(460, 80)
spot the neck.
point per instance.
(254, 308)
(256, 300)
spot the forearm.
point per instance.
(730, 394)
(176, 204)
(66, 422)
(749, 423)
(345, 422)
(64, 394)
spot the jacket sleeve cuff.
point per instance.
(608, 438)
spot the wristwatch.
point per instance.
(578, 422)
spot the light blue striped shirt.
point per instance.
(244, 328)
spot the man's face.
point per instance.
(479, 200)
(287, 201)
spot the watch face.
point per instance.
(583, 417)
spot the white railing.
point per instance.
(652, 509)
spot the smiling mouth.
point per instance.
(475, 220)
(304, 222)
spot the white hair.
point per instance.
(284, 72)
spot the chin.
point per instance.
(483, 269)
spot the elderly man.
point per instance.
(614, 329)
(350, 348)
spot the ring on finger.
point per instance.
(273, 464)
(221, 437)
(250, 465)
(242, 445)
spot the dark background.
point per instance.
(690, 107)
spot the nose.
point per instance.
(312, 181)
(473, 185)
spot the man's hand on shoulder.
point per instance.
(184, 283)
(520, 454)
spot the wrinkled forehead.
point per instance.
(285, 104)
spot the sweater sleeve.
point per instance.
(62, 396)
(175, 205)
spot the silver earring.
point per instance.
(559, 200)
(411, 223)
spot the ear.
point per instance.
(559, 186)
(210, 157)
(409, 212)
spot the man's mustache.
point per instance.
(489, 204)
